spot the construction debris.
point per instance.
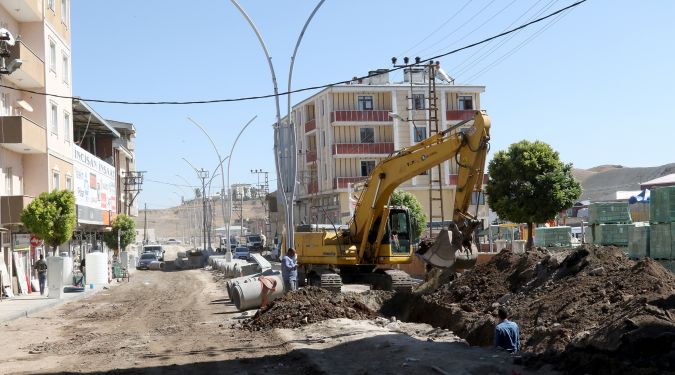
(588, 310)
(305, 306)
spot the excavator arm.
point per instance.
(468, 146)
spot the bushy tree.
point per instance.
(51, 217)
(406, 199)
(529, 184)
(126, 227)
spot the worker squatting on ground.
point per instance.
(289, 270)
(41, 267)
(507, 333)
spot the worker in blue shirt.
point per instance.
(289, 270)
(507, 333)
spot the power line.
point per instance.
(267, 96)
(438, 28)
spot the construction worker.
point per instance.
(41, 267)
(289, 271)
(507, 333)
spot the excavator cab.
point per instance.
(399, 231)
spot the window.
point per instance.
(325, 172)
(69, 182)
(4, 99)
(367, 166)
(477, 197)
(54, 119)
(64, 11)
(66, 75)
(418, 101)
(8, 181)
(365, 103)
(50, 4)
(323, 139)
(465, 102)
(321, 107)
(420, 133)
(68, 136)
(56, 177)
(367, 135)
(52, 56)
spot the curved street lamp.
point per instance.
(284, 183)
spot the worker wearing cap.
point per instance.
(289, 270)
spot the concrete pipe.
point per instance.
(230, 284)
(249, 295)
(156, 266)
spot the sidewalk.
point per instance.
(26, 305)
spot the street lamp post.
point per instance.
(229, 190)
(202, 174)
(285, 152)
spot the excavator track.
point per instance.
(329, 281)
(399, 281)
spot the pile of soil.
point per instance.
(305, 306)
(588, 310)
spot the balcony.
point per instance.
(313, 187)
(21, 135)
(343, 182)
(11, 207)
(24, 10)
(359, 116)
(460, 114)
(452, 179)
(31, 74)
(363, 149)
(310, 125)
(310, 156)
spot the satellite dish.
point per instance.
(6, 36)
(24, 104)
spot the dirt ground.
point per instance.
(589, 310)
(181, 322)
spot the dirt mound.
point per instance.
(305, 306)
(590, 308)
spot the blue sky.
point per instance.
(596, 83)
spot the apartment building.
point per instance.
(36, 144)
(344, 131)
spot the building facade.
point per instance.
(343, 131)
(36, 143)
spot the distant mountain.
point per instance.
(602, 182)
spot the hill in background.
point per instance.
(602, 182)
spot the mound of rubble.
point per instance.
(588, 310)
(308, 305)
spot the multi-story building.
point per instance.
(36, 144)
(343, 131)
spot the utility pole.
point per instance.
(204, 174)
(133, 181)
(145, 225)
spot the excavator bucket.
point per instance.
(447, 251)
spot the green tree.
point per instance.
(51, 216)
(406, 199)
(529, 184)
(126, 227)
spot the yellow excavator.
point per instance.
(378, 236)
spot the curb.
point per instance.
(9, 315)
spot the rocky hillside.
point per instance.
(602, 182)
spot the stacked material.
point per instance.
(662, 206)
(553, 236)
(638, 241)
(662, 218)
(608, 213)
(611, 234)
(662, 241)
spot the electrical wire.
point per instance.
(437, 29)
(267, 96)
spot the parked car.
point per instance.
(242, 252)
(146, 259)
(173, 241)
(158, 250)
